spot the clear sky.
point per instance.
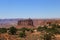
(29, 9)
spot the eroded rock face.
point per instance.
(6, 23)
(36, 22)
(26, 22)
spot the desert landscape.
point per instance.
(30, 29)
(29, 19)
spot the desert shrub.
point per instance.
(22, 34)
(42, 28)
(25, 29)
(3, 30)
(12, 30)
(49, 36)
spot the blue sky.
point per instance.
(29, 9)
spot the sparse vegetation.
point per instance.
(22, 34)
(44, 32)
(12, 30)
(49, 36)
(3, 30)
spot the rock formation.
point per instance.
(25, 22)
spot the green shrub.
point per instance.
(22, 34)
(3, 30)
(12, 30)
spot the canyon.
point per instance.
(34, 22)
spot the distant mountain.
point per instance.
(36, 22)
(8, 22)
